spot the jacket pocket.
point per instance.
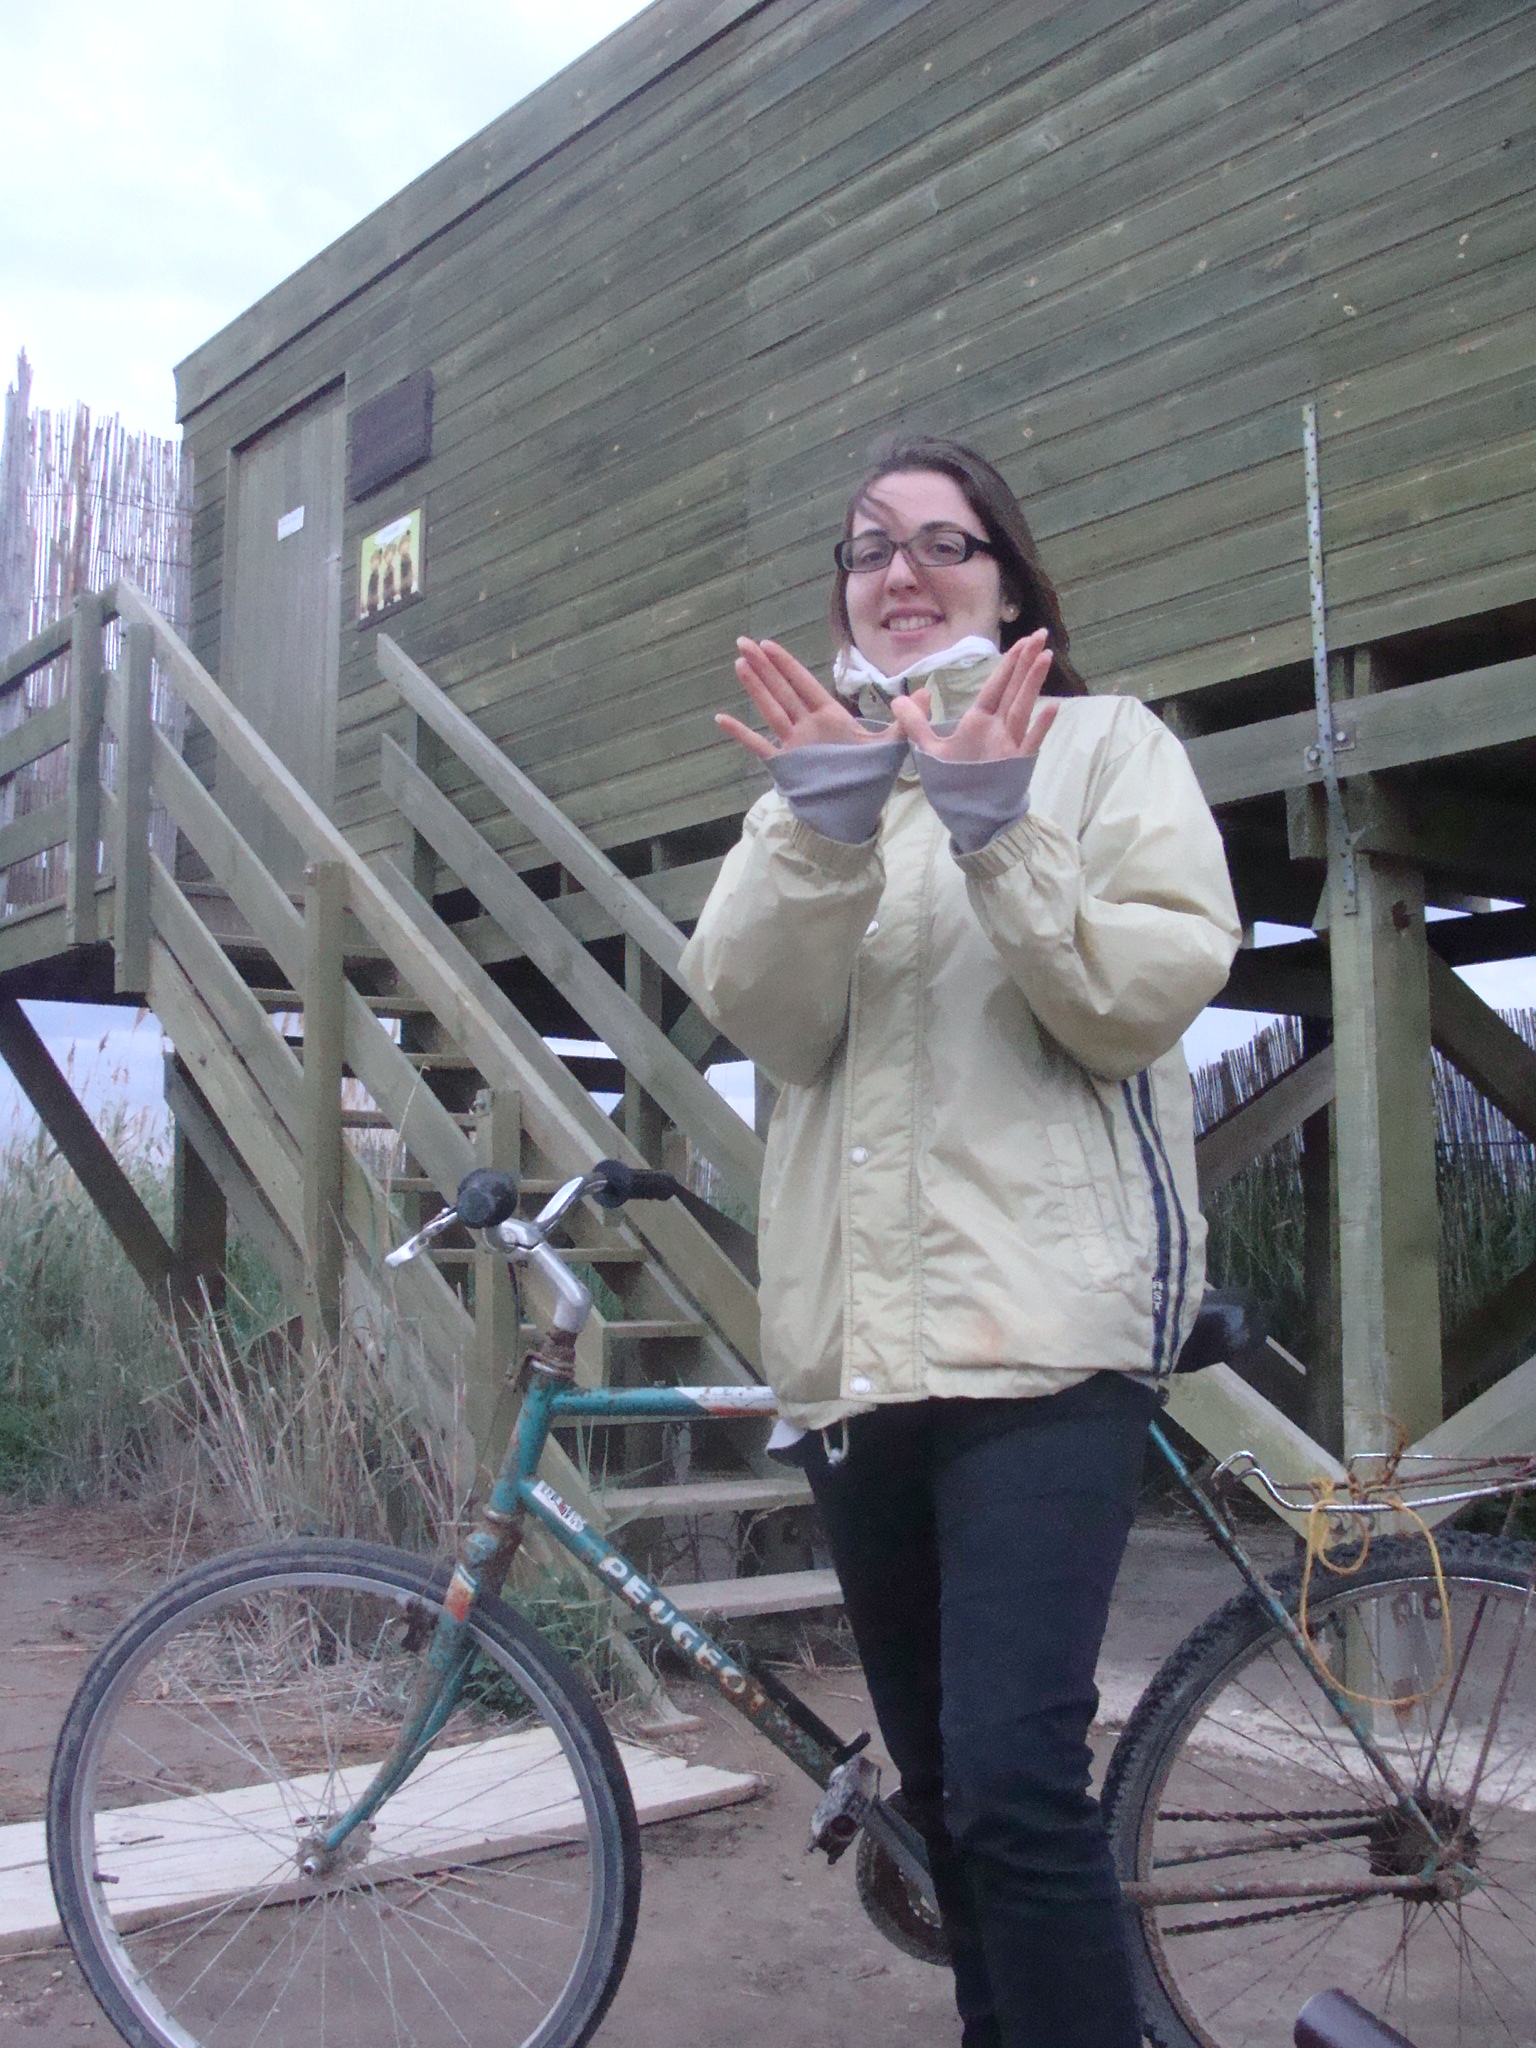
(1084, 1203)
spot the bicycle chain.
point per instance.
(1268, 1819)
(1270, 1913)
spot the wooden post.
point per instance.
(130, 963)
(1320, 1261)
(87, 701)
(644, 1118)
(199, 1217)
(1389, 1216)
(325, 902)
(428, 752)
(498, 1142)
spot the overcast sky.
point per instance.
(165, 162)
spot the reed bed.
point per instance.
(1486, 1173)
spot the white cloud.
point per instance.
(166, 164)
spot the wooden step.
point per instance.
(384, 1006)
(647, 1329)
(743, 1495)
(773, 1593)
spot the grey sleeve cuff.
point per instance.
(976, 799)
(839, 787)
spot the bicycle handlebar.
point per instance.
(487, 1197)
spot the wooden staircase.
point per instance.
(342, 1060)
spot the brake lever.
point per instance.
(402, 1254)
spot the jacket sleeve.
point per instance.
(1120, 937)
(772, 955)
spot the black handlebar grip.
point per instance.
(1334, 2020)
(623, 1183)
(486, 1196)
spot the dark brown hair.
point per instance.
(1025, 582)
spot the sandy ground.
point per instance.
(742, 1935)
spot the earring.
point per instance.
(1010, 613)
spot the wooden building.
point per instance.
(622, 353)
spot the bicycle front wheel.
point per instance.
(492, 1899)
(1264, 1858)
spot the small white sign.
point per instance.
(290, 522)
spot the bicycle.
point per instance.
(323, 1793)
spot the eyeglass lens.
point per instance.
(932, 547)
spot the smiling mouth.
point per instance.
(912, 622)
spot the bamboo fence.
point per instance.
(82, 503)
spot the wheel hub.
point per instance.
(318, 1862)
(1401, 1847)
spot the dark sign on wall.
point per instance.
(390, 435)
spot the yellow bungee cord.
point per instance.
(1324, 1510)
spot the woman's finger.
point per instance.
(744, 736)
(768, 697)
(1039, 726)
(796, 676)
(911, 720)
(1022, 699)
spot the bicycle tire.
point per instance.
(1235, 1758)
(896, 1909)
(494, 1898)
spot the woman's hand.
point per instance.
(796, 709)
(1002, 723)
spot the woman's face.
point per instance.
(902, 612)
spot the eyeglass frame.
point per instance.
(974, 545)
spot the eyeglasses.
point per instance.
(931, 547)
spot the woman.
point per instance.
(966, 933)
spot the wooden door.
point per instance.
(282, 622)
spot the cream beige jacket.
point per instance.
(980, 1175)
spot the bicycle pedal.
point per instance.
(851, 1790)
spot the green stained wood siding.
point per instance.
(669, 300)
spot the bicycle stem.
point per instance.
(1260, 1587)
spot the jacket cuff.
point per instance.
(843, 860)
(1006, 850)
(837, 787)
(977, 800)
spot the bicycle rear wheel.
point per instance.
(1283, 1867)
(492, 1900)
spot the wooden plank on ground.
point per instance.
(473, 1803)
(82, 1145)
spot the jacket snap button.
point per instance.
(859, 1154)
(872, 927)
(859, 1384)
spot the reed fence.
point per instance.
(83, 501)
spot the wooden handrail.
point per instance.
(568, 1138)
(631, 910)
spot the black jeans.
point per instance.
(978, 1543)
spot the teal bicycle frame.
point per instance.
(848, 1782)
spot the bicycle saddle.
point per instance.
(1229, 1326)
